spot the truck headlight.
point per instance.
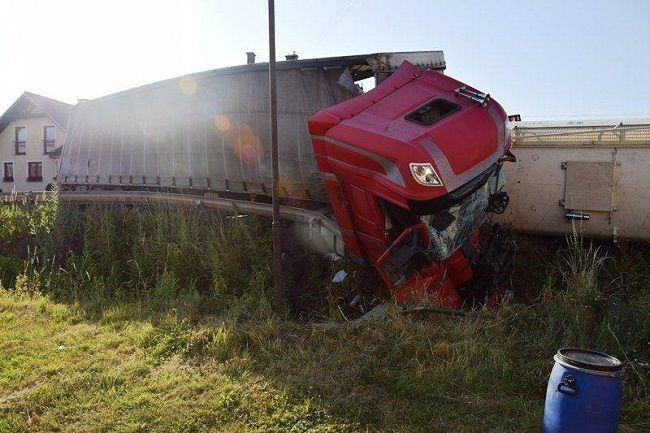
(424, 174)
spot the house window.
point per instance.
(8, 171)
(35, 171)
(49, 139)
(20, 139)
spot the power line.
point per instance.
(337, 15)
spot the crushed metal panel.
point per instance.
(589, 186)
(382, 62)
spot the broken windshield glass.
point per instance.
(466, 216)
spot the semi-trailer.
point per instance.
(404, 176)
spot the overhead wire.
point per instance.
(345, 7)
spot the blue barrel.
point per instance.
(584, 393)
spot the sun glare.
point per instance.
(82, 49)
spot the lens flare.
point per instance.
(285, 185)
(187, 85)
(240, 139)
(222, 123)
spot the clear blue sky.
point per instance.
(543, 59)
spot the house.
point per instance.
(32, 133)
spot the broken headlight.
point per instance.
(424, 174)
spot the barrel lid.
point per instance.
(588, 359)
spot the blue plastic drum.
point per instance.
(584, 393)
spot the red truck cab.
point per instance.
(412, 168)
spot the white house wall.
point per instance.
(34, 153)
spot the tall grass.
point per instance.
(204, 281)
(100, 255)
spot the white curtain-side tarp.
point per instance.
(207, 131)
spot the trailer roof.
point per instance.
(361, 66)
(533, 124)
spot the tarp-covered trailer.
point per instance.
(210, 130)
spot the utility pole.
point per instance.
(276, 228)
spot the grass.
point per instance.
(139, 319)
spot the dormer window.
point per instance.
(49, 139)
(20, 140)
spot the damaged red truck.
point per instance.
(410, 170)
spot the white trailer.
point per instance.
(595, 175)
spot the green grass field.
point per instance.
(138, 320)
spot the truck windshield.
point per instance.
(468, 215)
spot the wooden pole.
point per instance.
(276, 228)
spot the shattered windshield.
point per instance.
(468, 215)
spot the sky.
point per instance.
(547, 60)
